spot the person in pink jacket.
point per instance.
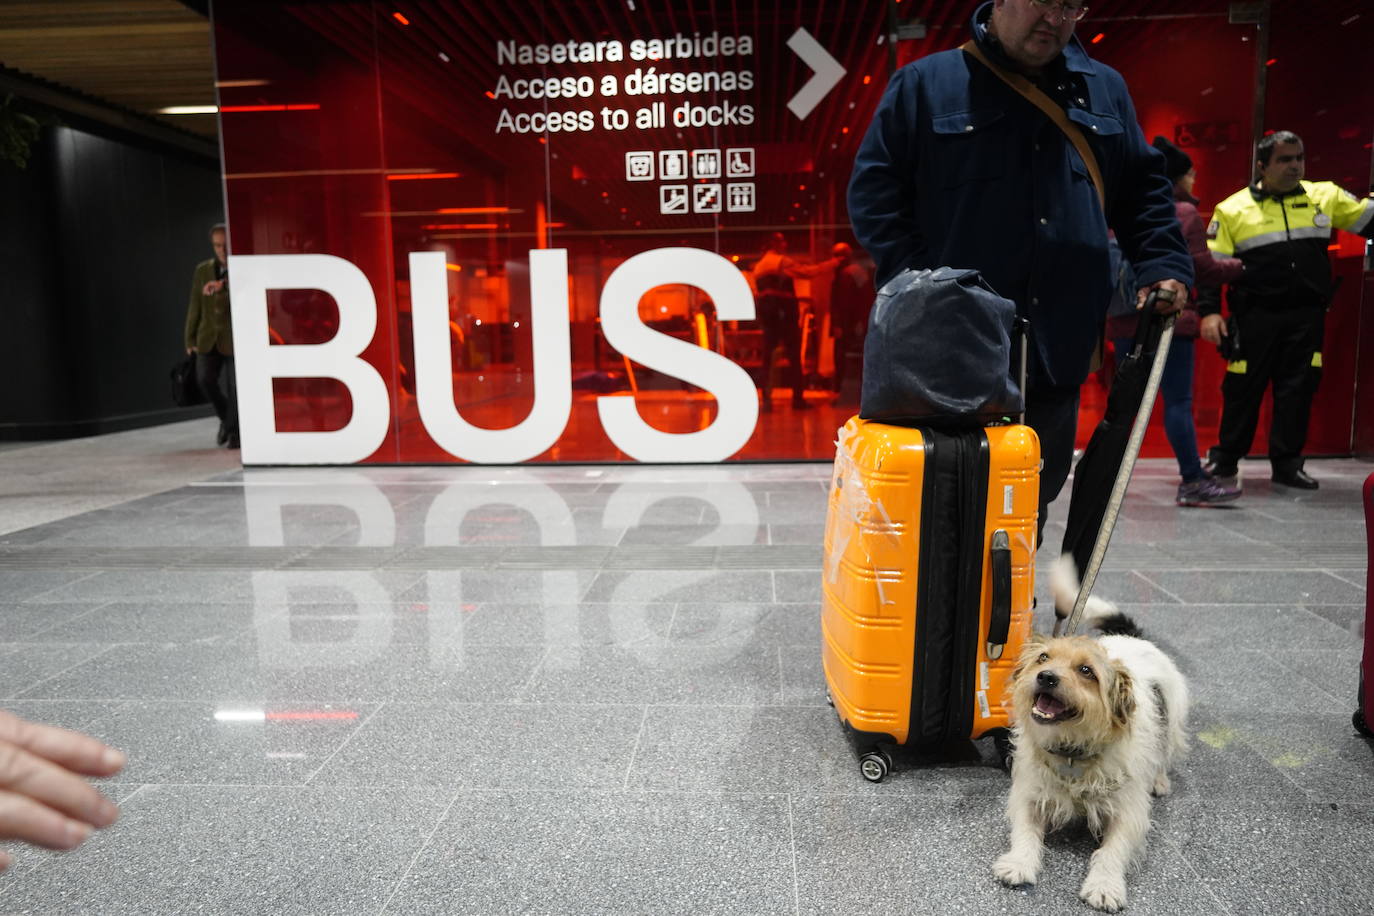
(1197, 488)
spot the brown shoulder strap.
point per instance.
(1055, 113)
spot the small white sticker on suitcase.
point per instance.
(1006, 500)
(983, 704)
(983, 675)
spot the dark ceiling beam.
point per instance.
(88, 108)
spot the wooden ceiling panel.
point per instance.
(139, 54)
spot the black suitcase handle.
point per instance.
(1000, 623)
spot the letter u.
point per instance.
(434, 363)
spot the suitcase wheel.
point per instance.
(1360, 724)
(1005, 752)
(875, 765)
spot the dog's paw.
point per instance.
(1105, 894)
(1162, 786)
(1012, 870)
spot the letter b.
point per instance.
(258, 362)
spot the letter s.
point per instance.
(734, 391)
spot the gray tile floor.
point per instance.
(597, 690)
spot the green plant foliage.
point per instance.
(18, 131)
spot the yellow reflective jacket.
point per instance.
(1282, 240)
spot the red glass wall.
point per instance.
(1193, 77)
(370, 131)
(367, 132)
(1312, 90)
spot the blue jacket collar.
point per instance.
(1073, 58)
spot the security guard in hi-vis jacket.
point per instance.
(1279, 227)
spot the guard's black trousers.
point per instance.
(1282, 347)
(781, 324)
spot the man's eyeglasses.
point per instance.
(1068, 12)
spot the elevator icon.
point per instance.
(739, 197)
(705, 163)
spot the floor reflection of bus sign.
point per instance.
(739, 198)
(639, 166)
(672, 164)
(739, 163)
(705, 163)
(706, 198)
(672, 198)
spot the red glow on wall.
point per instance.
(240, 108)
(422, 176)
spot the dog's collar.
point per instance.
(1071, 760)
(1071, 752)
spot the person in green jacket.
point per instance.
(209, 336)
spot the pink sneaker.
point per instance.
(1207, 491)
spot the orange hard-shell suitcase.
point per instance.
(928, 582)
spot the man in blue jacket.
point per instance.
(959, 169)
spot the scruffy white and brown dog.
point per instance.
(1096, 725)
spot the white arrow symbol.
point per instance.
(827, 73)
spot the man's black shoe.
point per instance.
(1226, 476)
(223, 436)
(1296, 479)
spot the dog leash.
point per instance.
(1069, 626)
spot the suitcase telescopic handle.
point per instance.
(1021, 331)
(1000, 623)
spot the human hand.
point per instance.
(1163, 305)
(43, 799)
(212, 287)
(1213, 328)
